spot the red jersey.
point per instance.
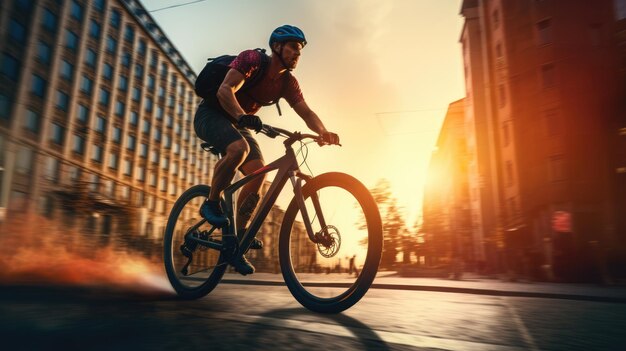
(266, 89)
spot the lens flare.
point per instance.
(37, 251)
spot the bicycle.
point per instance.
(195, 259)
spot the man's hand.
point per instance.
(329, 138)
(251, 122)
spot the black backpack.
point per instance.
(212, 75)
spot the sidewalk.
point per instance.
(470, 284)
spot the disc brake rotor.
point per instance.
(330, 241)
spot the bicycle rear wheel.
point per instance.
(333, 275)
(207, 265)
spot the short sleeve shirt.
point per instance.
(266, 89)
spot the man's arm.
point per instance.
(309, 117)
(315, 123)
(226, 93)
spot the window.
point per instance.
(148, 104)
(163, 184)
(544, 31)
(151, 81)
(96, 153)
(78, 145)
(57, 134)
(130, 142)
(117, 135)
(159, 113)
(506, 137)
(44, 52)
(105, 96)
(99, 5)
(141, 173)
(94, 29)
(157, 135)
(170, 101)
(120, 109)
(71, 40)
(143, 150)
(24, 160)
(67, 70)
(146, 126)
(129, 33)
(166, 163)
(17, 32)
(161, 92)
(82, 113)
(76, 11)
(167, 141)
(154, 156)
(31, 121)
(52, 168)
(136, 94)
(10, 67)
(501, 96)
(115, 18)
(134, 118)
(509, 173)
(548, 76)
(107, 71)
(128, 167)
(126, 59)
(556, 168)
(139, 71)
(163, 70)
(86, 85)
(90, 58)
(62, 100)
(100, 125)
(142, 47)
(177, 128)
(111, 45)
(123, 83)
(38, 86)
(113, 161)
(5, 110)
(154, 58)
(49, 21)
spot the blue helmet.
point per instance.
(287, 33)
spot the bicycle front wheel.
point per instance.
(335, 273)
(196, 278)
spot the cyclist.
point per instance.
(225, 123)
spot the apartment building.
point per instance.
(547, 72)
(96, 115)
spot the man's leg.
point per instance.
(252, 187)
(225, 170)
(226, 167)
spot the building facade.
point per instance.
(548, 71)
(450, 238)
(96, 110)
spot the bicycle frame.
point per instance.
(287, 167)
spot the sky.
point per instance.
(378, 73)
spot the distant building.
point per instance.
(447, 223)
(542, 83)
(96, 109)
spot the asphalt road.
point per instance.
(244, 317)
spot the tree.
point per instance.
(393, 222)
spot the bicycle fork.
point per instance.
(296, 180)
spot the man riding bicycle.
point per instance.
(224, 123)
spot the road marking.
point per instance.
(364, 334)
(530, 341)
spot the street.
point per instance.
(262, 317)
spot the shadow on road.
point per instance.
(363, 334)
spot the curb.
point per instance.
(474, 291)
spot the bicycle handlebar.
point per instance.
(292, 137)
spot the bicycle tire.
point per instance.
(374, 245)
(171, 247)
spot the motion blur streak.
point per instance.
(36, 251)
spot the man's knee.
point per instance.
(238, 149)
